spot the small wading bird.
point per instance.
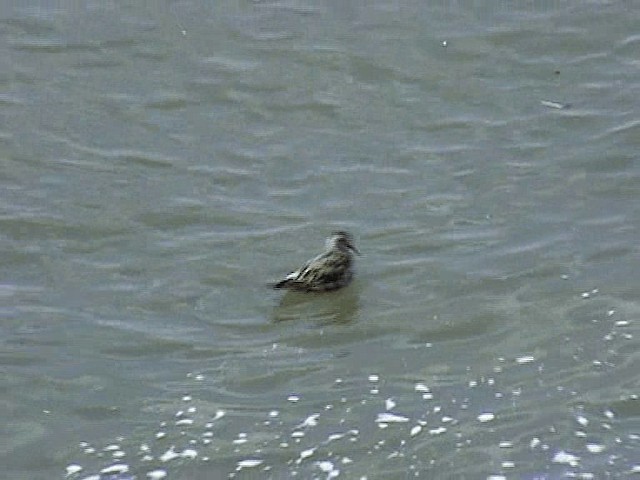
(330, 270)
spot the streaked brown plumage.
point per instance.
(330, 270)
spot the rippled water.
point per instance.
(161, 165)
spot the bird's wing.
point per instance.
(326, 268)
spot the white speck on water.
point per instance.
(444, 43)
(191, 410)
(310, 421)
(169, 454)
(610, 312)
(609, 414)
(219, 414)
(415, 430)
(297, 434)
(390, 418)
(551, 104)
(186, 398)
(595, 448)
(585, 295)
(305, 454)
(184, 421)
(293, 398)
(535, 441)
(389, 404)
(525, 359)
(446, 419)
(374, 391)
(116, 468)
(496, 477)
(508, 464)
(505, 444)
(374, 378)
(248, 463)
(437, 431)
(622, 323)
(274, 413)
(486, 417)
(111, 448)
(157, 474)
(73, 469)
(582, 420)
(189, 453)
(118, 454)
(325, 466)
(242, 438)
(565, 457)
(421, 387)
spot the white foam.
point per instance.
(525, 359)
(157, 474)
(116, 468)
(486, 417)
(169, 455)
(73, 469)
(595, 448)
(390, 418)
(249, 463)
(566, 457)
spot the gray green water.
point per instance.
(163, 162)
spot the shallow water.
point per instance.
(163, 165)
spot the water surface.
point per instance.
(162, 164)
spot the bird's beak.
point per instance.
(353, 247)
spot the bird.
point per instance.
(330, 270)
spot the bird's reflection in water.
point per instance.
(325, 308)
